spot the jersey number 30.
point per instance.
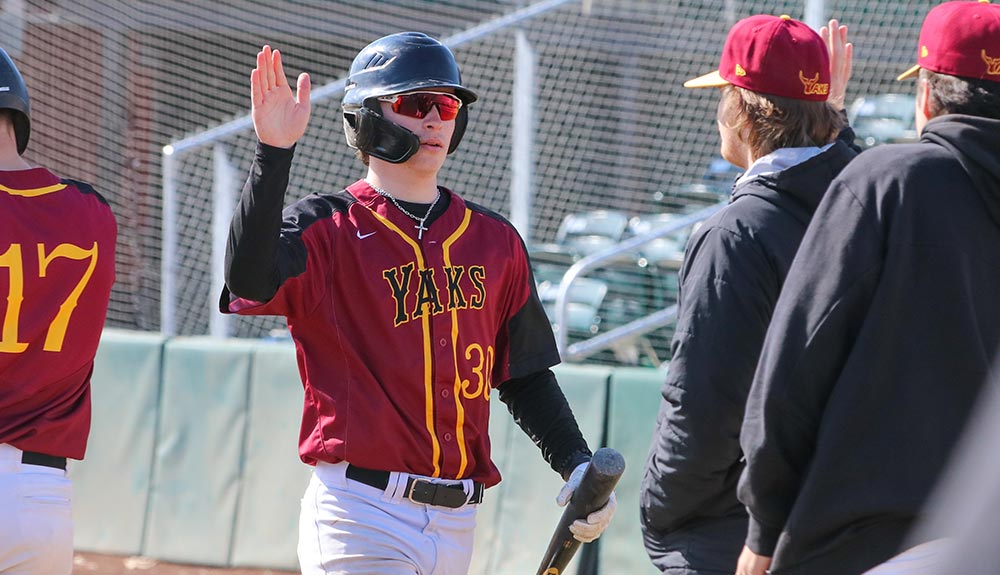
(12, 260)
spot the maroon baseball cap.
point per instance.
(772, 55)
(960, 39)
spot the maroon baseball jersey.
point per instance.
(399, 340)
(57, 254)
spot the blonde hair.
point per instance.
(767, 123)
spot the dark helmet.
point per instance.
(14, 96)
(392, 65)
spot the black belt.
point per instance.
(420, 490)
(32, 458)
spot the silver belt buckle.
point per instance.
(413, 487)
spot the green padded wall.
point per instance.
(111, 484)
(513, 536)
(193, 458)
(274, 477)
(502, 428)
(199, 454)
(634, 400)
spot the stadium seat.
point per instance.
(664, 252)
(585, 233)
(585, 298)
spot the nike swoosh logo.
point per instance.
(361, 237)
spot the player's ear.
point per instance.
(923, 103)
(924, 97)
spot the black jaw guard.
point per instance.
(369, 132)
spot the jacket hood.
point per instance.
(804, 184)
(975, 143)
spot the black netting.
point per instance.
(113, 82)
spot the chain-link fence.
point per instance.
(113, 82)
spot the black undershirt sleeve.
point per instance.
(539, 407)
(253, 270)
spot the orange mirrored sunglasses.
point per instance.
(419, 104)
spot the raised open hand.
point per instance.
(279, 118)
(841, 55)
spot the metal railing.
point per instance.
(583, 349)
(173, 151)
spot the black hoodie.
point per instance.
(734, 266)
(879, 345)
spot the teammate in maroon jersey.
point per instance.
(408, 306)
(57, 254)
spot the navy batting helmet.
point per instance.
(14, 96)
(391, 65)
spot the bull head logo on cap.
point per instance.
(992, 64)
(813, 85)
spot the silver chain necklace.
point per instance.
(420, 221)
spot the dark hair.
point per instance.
(960, 95)
(768, 123)
(361, 155)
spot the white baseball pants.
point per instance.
(36, 517)
(347, 527)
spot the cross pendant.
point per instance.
(420, 230)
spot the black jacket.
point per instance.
(734, 267)
(880, 343)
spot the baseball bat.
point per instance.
(599, 480)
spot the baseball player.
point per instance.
(886, 327)
(55, 281)
(410, 307)
(781, 119)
